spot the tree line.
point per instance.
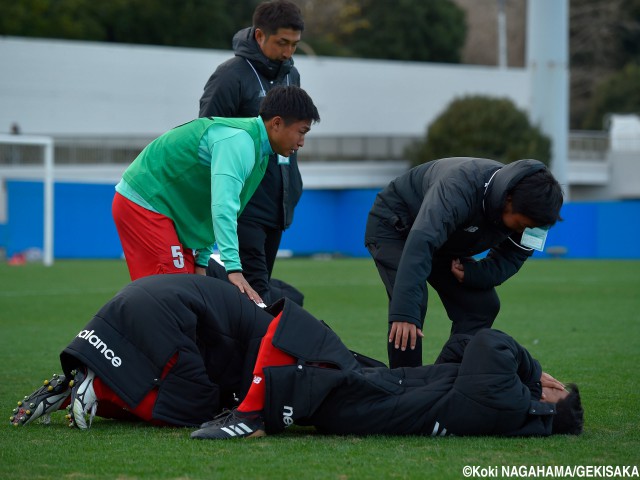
(604, 38)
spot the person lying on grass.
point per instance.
(485, 384)
(179, 349)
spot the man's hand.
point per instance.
(547, 380)
(239, 281)
(403, 333)
(201, 270)
(457, 268)
(552, 389)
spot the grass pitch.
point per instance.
(581, 319)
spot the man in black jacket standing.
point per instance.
(426, 225)
(263, 59)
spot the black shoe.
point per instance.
(42, 402)
(220, 418)
(232, 424)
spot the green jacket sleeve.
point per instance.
(232, 160)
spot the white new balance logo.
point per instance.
(235, 430)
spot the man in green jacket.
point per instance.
(186, 189)
(263, 60)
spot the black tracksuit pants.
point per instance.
(258, 247)
(468, 309)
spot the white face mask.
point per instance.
(534, 238)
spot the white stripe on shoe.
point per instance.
(239, 429)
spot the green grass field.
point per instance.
(581, 319)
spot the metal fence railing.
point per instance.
(588, 145)
(71, 150)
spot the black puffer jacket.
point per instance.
(452, 208)
(488, 384)
(236, 89)
(214, 329)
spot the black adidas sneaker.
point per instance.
(234, 424)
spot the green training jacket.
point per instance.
(171, 176)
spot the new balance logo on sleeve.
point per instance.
(102, 347)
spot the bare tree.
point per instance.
(481, 46)
(594, 40)
(328, 22)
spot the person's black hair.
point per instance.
(569, 417)
(291, 103)
(270, 16)
(539, 197)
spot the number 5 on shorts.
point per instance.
(178, 258)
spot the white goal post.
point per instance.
(47, 144)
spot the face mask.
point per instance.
(534, 237)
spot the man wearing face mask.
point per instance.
(426, 226)
(263, 60)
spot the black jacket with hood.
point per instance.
(486, 384)
(216, 332)
(236, 89)
(452, 208)
(213, 328)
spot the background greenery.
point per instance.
(481, 126)
(580, 318)
(402, 29)
(604, 36)
(619, 94)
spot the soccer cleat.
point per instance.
(42, 402)
(220, 418)
(83, 399)
(232, 424)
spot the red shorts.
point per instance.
(110, 405)
(149, 241)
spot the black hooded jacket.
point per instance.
(213, 328)
(452, 208)
(486, 384)
(236, 89)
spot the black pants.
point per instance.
(468, 309)
(258, 249)
(278, 288)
